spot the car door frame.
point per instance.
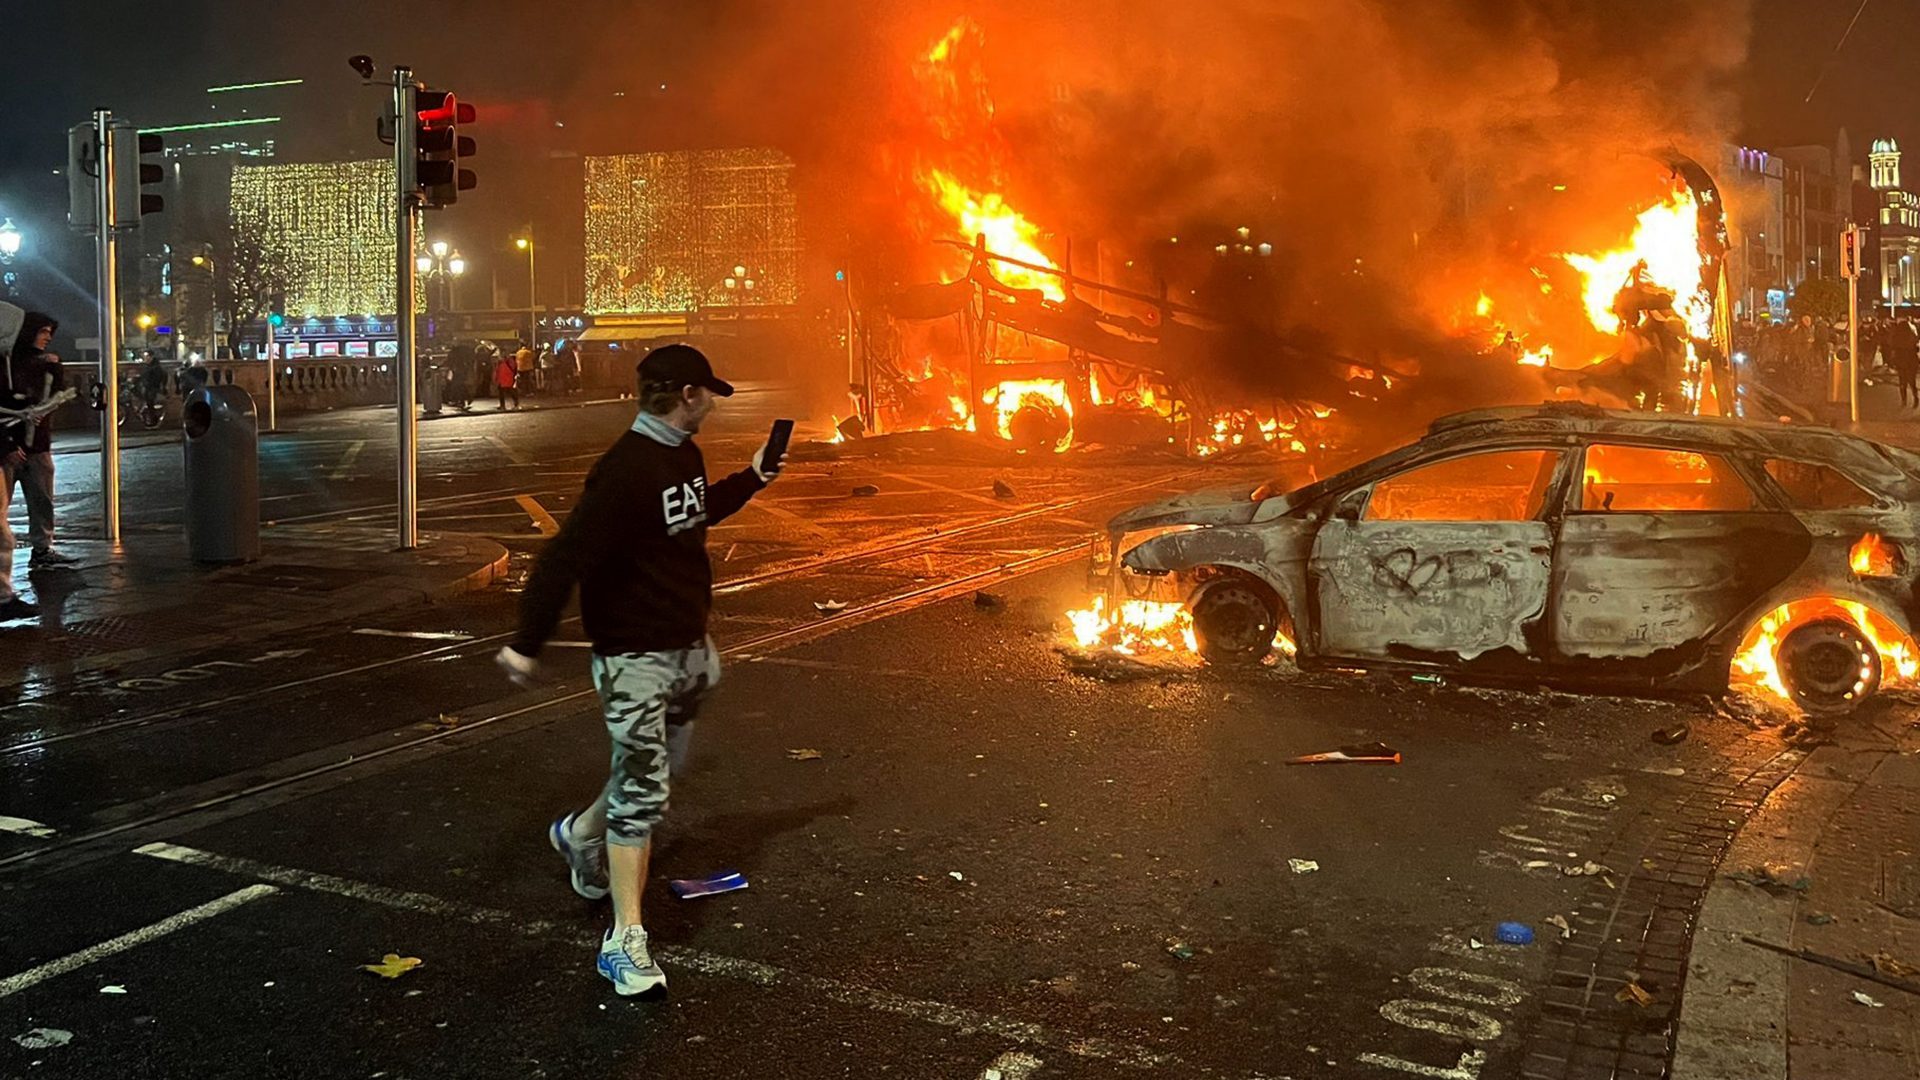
(1676, 579)
(1397, 592)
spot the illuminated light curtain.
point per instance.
(665, 230)
(331, 224)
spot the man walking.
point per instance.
(33, 375)
(636, 545)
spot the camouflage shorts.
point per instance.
(650, 700)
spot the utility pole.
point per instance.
(109, 272)
(405, 159)
(1850, 269)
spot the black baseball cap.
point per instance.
(682, 365)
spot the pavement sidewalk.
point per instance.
(148, 599)
(1840, 842)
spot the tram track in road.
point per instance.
(887, 547)
(350, 761)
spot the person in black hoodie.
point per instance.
(33, 375)
(636, 546)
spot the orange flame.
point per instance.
(1012, 395)
(1757, 664)
(1873, 557)
(1136, 627)
(1006, 231)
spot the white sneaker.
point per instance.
(586, 863)
(627, 964)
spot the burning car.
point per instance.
(1561, 544)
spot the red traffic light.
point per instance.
(437, 108)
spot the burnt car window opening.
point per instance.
(1645, 479)
(1817, 487)
(1502, 485)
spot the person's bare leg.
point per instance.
(627, 874)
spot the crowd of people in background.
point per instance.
(476, 370)
(1797, 357)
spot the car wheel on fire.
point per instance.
(1234, 620)
(1829, 666)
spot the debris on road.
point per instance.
(865, 491)
(1179, 950)
(1635, 993)
(1586, 869)
(829, 607)
(956, 875)
(987, 601)
(1430, 679)
(1374, 753)
(1672, 736)
(1513, 933)
(722, 882)
(1303, 866)
(1776, 880)
(1109, 666)
(113, 989)
(1566, 930)
(43, 1038)
(1818, 918)
(1887, 964)
(1475, 943)
(393, 965)
(803, 754)
(1002, 489)
(1868, 1000)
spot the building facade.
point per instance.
(1897, 228)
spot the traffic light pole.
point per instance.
(109, 271)
(404, 155)
(273, 376)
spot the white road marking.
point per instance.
(517, 456)
(1012, 1065)
(346, 460)
(20, 826)
(748, 971)
(418, 635)
(541, 519)
(75, 961)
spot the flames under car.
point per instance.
(1566, 545)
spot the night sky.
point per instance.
(532, 65)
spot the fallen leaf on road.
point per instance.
(1777, 880)
(1888, 964)
(1635, 993)
(1560, 921)
(393, 965)
(1303, 866)
(43, 1038)
(1867, 1000)
(804, 755)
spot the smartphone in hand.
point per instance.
(777, 441)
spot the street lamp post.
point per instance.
(439, 264)
(525, 243)
(10, 240)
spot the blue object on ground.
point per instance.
(1513, 933)
(724, 881)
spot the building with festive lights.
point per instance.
(1897, 229)
(330, 227)
(674, 233)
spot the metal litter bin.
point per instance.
(432, 372)
(223, 475)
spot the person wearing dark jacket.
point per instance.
(15, 436)
(636, 547)
(32, 376)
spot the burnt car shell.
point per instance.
(1647, 600)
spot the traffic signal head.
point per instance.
(439, 147)
(133, 174)
(277, 309)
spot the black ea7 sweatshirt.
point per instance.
(636, 545)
